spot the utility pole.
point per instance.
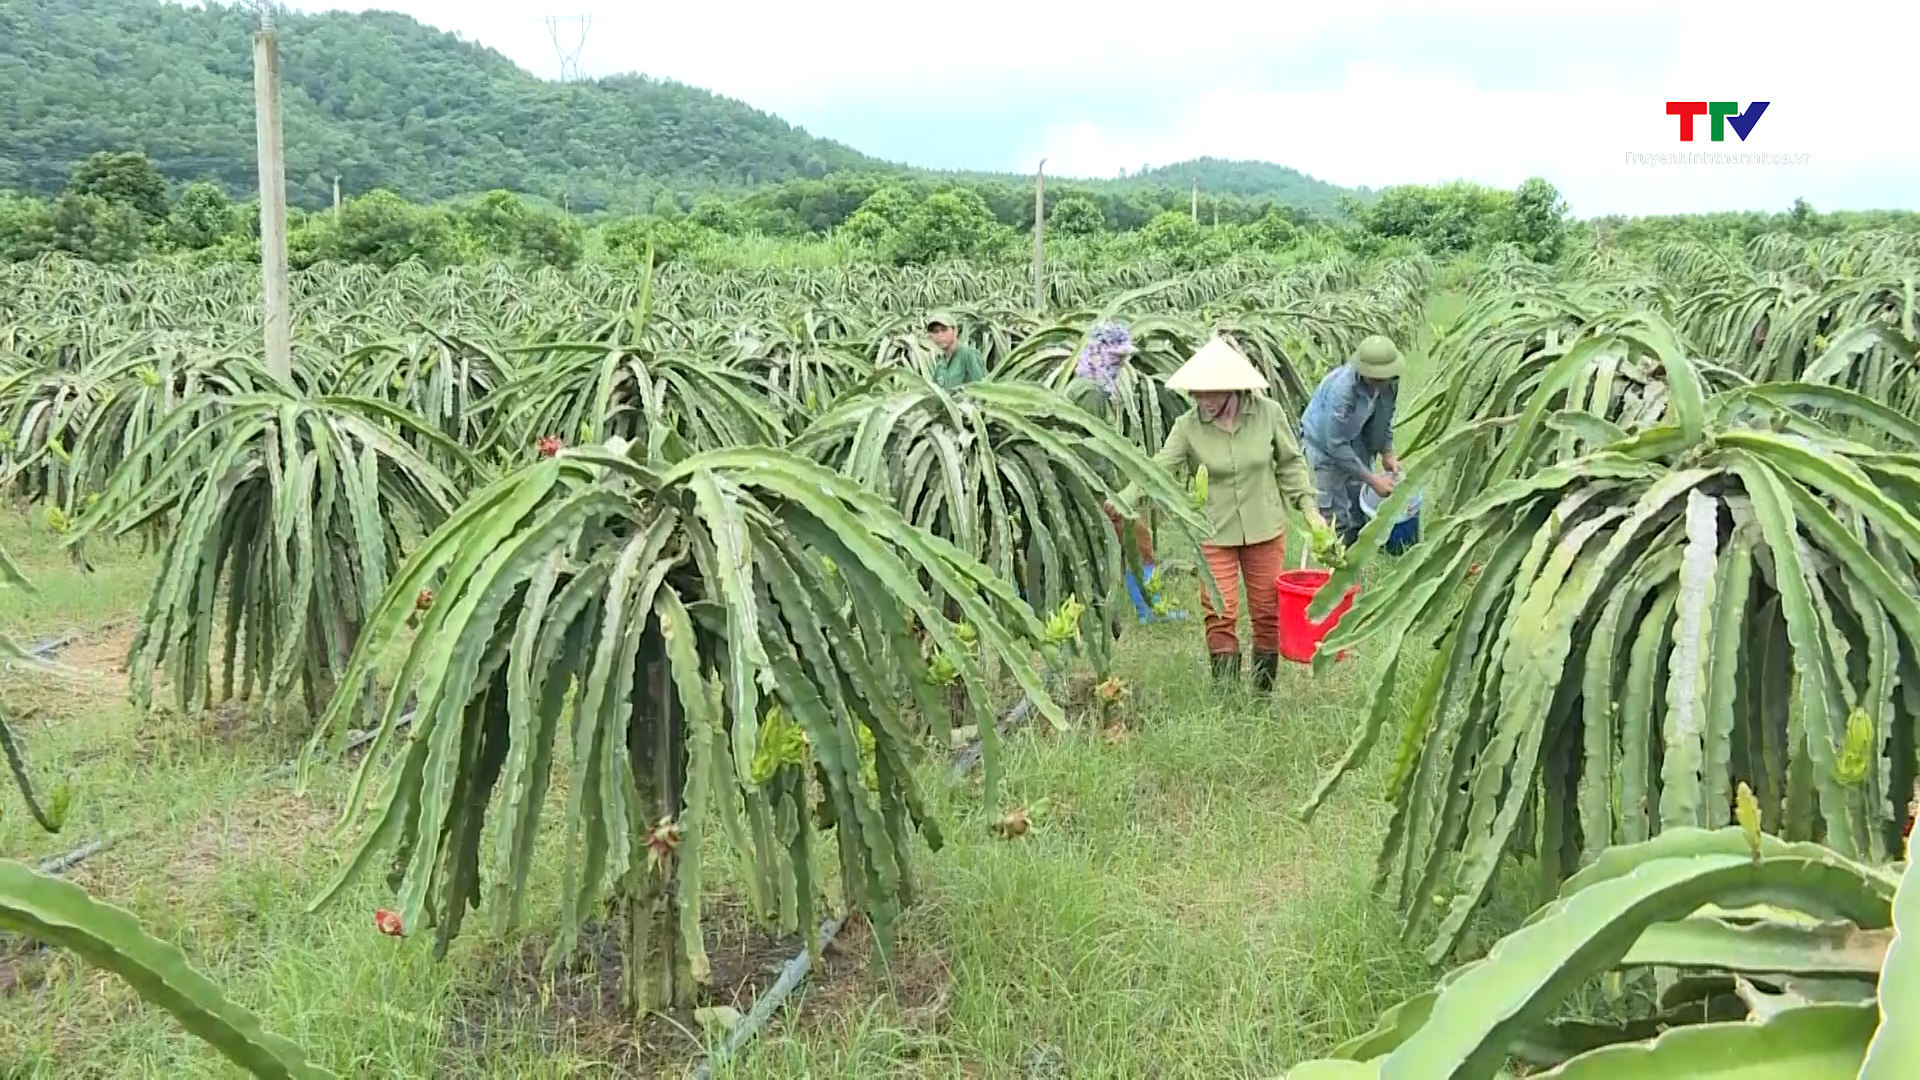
(336, 199)
(1039, 238)
(1196, 200)
(273, 196)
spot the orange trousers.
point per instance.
(1259, 565)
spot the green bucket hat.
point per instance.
(942, 318)
(1379, 358)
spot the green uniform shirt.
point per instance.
(1086, 394)
(963, 367)
(1252, 472)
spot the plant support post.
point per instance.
(273, 197)
(1039, 238)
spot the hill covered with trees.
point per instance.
(377, 99)
(383, 101)
(1248, 179)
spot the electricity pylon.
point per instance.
(569, 59)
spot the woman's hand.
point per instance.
(1390, 462)
(1381, 483)
(1323, 543)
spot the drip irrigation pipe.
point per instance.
(60, 864)
(47, 648)
(797, 968)
(969, 755)
(765, 1004)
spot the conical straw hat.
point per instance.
(1218, 367)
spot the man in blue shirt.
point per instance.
(1347, 425)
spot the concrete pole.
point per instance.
(273, 198)
(1039, 238)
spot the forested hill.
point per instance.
(378, 99)
(1248, 179)
(381, 100)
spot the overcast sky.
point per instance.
(1373, 92)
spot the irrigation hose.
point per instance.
(47, 648)
(765, 1004)
(797, 968)
(60, 864)
(969, 755)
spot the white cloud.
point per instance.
(1383, 125)
(1226, 80)
(777, 52)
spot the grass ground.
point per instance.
(1167, 916)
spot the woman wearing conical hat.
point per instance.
(1254, 472)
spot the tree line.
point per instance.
(118, 207)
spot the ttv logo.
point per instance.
(1724, 113)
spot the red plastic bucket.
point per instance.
(1299, 637)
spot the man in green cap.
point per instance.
(1347, 425)
(959, 363)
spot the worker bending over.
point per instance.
(1347, 425)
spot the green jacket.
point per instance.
(963, 367)
(1086, 394)
(1252, 473)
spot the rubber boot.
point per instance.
(1140, 606)
(1226, 667)
(1138, 593)
(1171, 616)
(1347, 526)
(1266, 666)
